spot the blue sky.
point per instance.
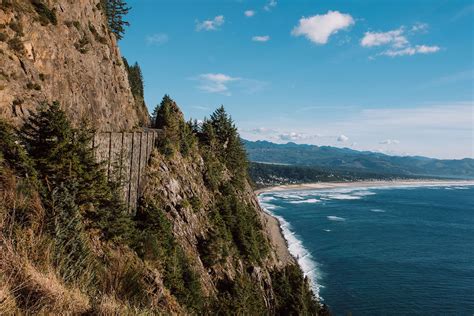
(390, 76)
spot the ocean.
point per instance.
(384, 250)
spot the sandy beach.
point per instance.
(336, 185)
(273, 226)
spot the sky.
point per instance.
(389, 76)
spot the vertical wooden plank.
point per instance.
(139, 165)
(131, 171)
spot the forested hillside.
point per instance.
(357, 162)
(196, 243)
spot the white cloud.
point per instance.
(390, 142)
(210, 25)
(410, 51)
(220, 83)
(394, 38)
(216, 83)
(342, 138)
(420, 28)
(249, 13)
(263, 38)
(398, 42)
(319, 28)
(292, 136)
(157, 39)
(270, 4)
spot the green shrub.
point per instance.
(16, 27)
(33, 86)
(72, 253)
(3, 37)
(292, 293)
(96, 34)
(81, 45)
(46, 15)
(16, 45)
(156, 243)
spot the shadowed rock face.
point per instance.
(74, 60)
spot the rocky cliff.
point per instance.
(62, 50)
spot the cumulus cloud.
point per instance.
(390, 142)
(292, 136)
(262, 38)
(409, 51)
(249, 13)
(342, 138)
(157, 39)
(398, 43)
(210, 25)
(216, 83)
(394, 38)
(319, 28)
(270, 4)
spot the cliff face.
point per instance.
(62, 50)
(179, 187)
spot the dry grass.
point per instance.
(36, 287)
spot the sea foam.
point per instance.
(376, 210)
(308, 201)
(297, 250)
(336, 218)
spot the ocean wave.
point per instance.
(267, 198)
(327, 230)
(342, 197)
(336, 218)
(376, 210)
(304, 258)
(308, 201)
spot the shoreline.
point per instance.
(274, 224)
(355, 184)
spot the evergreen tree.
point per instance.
(13, 153)
(115, 11)
(230, 148)
(71, 250)
(168, 117)
(135, 79)
(48, 137)
(64, 155)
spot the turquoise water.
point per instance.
(380, 251)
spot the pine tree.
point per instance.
(115, 11)
(48, 137)
(230, 147)
(71, 250)
(168, 117)
(135, 79)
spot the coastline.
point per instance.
(355, 184)
(274, 224)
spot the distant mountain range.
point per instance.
(346, 159)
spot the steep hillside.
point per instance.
(63, 51)
(197, 243)
(346, 159)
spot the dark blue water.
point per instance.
(397, 251)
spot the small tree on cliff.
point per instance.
(62, 156)
(178, 134)
(230, 147)
(116, 10)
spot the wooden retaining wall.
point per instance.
(125, 156)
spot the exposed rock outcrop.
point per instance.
(65, 52)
